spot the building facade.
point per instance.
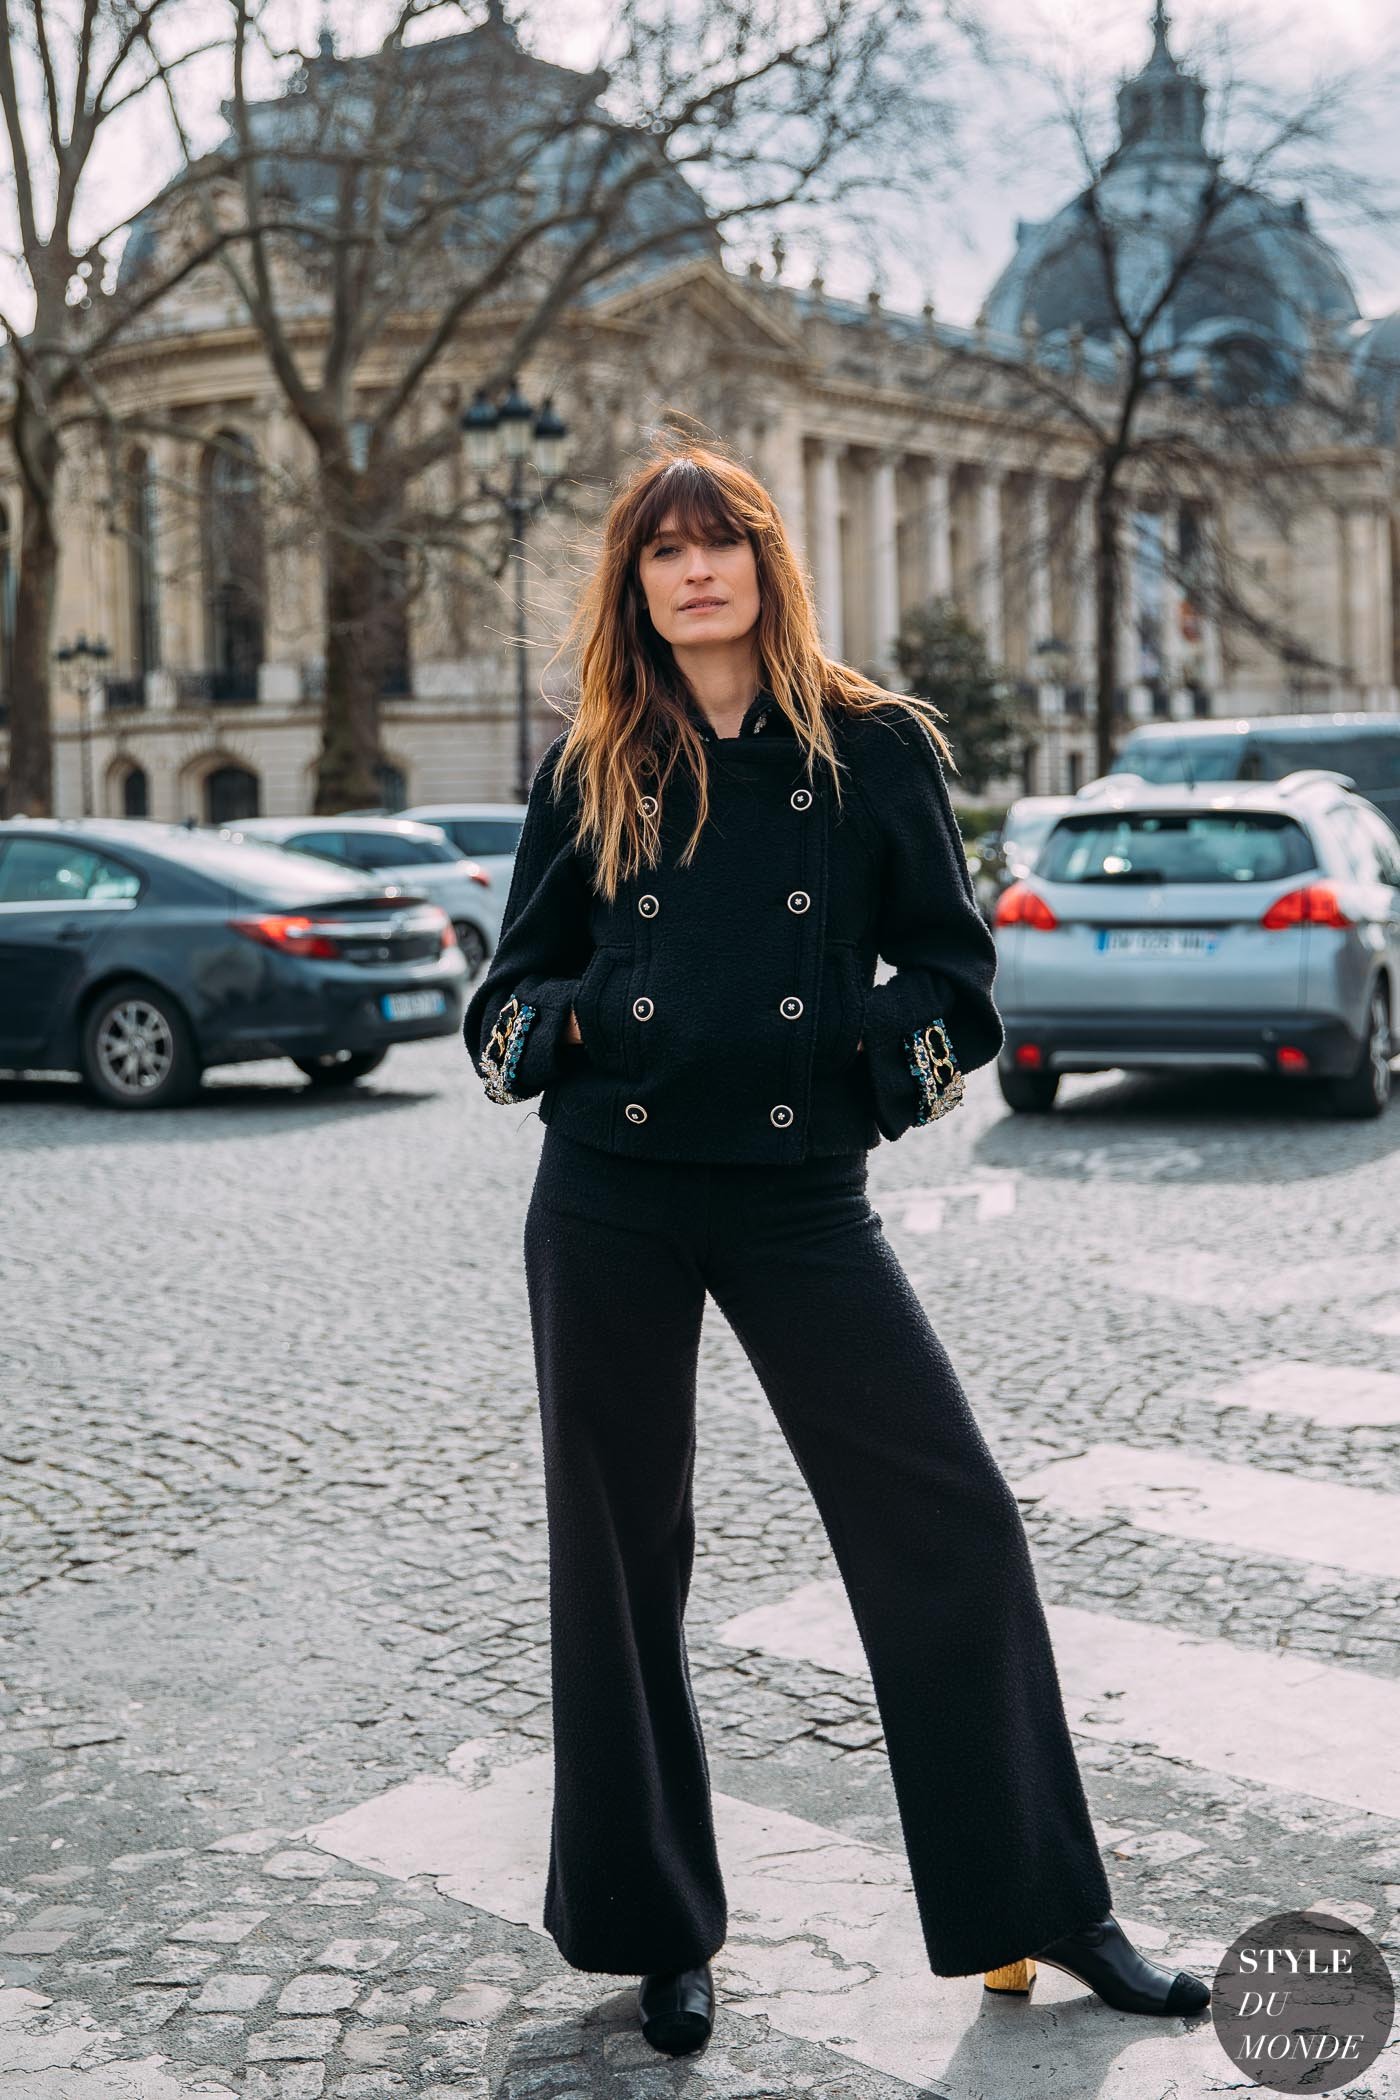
(911, 460)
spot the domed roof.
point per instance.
(1261, 288)
(1376, 359)
(466, 93)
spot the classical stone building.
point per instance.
(911, 459)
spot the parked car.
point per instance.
(1364, 747)
(487, 832)
(999, 858)
(137, 953)
(1254, 928)
(400, 851)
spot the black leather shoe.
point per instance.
(1105, 1958)
(677, 2009)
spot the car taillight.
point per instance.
(1020, 905)
(448, 937)
(291, 933)
(479, 874)
(1313, 905)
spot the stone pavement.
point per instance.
(274, 1781)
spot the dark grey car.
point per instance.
(138, 953)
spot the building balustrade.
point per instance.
(222, 688)
(121, 694)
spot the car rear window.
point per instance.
(1372, 760)
(477, 835)
(390, 849)
(1166, 760)
(1176, 846)
(261, 870)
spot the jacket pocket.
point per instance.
(842, 1008)
(594, 1004)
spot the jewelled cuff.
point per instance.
(935, 1068)
(502, 1053)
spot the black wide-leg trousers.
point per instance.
(924, 1528)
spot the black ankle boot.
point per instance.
(677, 2009)
(1105, 1958)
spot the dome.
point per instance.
(1376, 361)
(516, 103)
(1262, 288)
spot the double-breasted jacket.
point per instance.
(728, 1009)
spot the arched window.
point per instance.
(136, 793)
(233, 567)
(9, 572)
(230, 794)
(141, 564)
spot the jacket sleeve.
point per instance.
(515, 1019)
(934, 1020)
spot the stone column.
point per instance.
(1128, 666)
(826, 542)
(1040, 611)
(179, 570)
(989, 557)
(1171, 602)
(287, 537)
(938, 531)
(1359, 525)
(1083, 585)
(783, 474)
(884, 561)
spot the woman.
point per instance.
(730, 832)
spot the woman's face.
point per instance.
(700, 591)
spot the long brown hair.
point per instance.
(630, 725)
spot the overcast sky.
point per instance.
(1015, 161)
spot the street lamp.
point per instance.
(521, 436)
(87, 656)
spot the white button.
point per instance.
(790, 1007)
(648, 805)
(635, 1113)
(781, 1115)
(648, 906)
(801, 798)
(643, 1009)
(798, 901)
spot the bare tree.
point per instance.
(66, 73)
(1183, 327)
(460, 191)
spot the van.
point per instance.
(1366, 748)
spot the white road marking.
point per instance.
(1250, 1510)
(1339, 1395)
(1213, 1278)
(1279, 1720)
(976, 1202)
(824, 1941)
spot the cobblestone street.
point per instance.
(275, 1772)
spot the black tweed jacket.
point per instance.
(721, 1004)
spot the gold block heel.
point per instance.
(1017, 1977)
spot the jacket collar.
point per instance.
(763, 717)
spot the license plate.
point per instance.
(1156, 940)
(412, 1006)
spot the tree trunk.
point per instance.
(1106, 594)
(30, 791)
(347, 775)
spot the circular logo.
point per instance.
(1303, 2002)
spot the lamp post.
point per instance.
(87, 656)
(524, 437)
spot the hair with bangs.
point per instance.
(629, 725)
